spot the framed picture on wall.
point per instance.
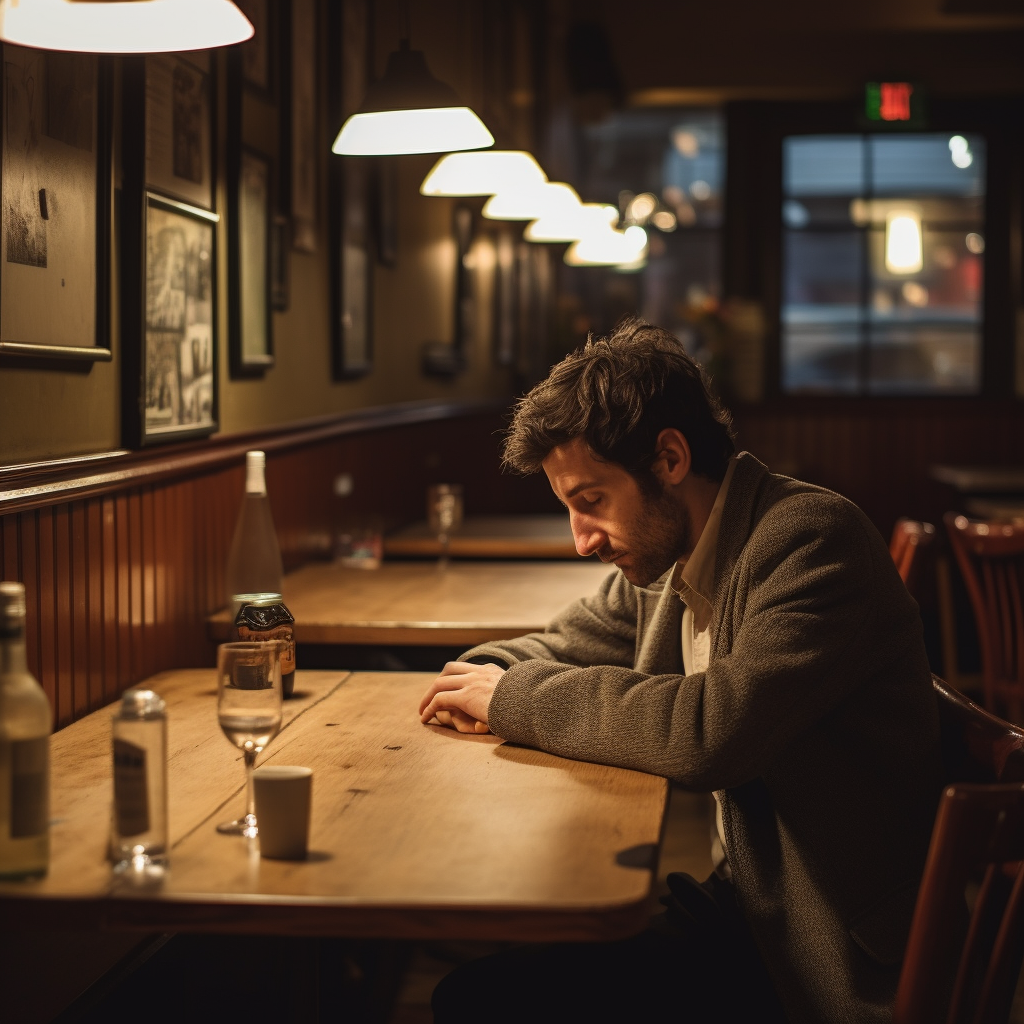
(258, 70)
(351, 188)
(300, 134)
(279, 262)
(179, 127)
(249, 263)
(177, 387)
(56, 190)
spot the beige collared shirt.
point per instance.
(694, 582)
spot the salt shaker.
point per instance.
(138, 839)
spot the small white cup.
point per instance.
(283, 798)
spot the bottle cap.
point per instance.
(142, 704)
(262, 600)
(12, 607)
(255, 480)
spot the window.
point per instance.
(882, 263)
(664, 169)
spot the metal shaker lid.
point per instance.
(142, 704)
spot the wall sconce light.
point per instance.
(125, 26)
(903, 244)
(410, 111)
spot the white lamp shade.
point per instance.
(423, 130)
(482, 174)
(903, 244)
(128, 26)
(532, 202)
(572, 225)
(608, 248)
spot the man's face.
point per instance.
(611, 516)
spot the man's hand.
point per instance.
(460, 695)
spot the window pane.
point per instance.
(823, 165)
(927, 165)
(883, 244)
(820, 358)
(924, 359)
(822, 273)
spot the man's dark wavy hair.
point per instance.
(619, 393)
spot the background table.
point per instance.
(522, 536)
(418, 603)
(418, 831)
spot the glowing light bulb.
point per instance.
(903, 246)
(608, 248)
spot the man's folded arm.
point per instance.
(790, 664)
(594, 630)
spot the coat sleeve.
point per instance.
(599, 629)
(803, 616)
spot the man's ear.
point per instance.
(672, 459)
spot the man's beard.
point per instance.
(662, 534)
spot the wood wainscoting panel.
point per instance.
(122, 569)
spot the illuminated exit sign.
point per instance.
(894, 104)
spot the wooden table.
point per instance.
(523, 536)
(418, 831)
(418, 603)
(981, 479)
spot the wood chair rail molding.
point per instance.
(122, 555)
(38, 484)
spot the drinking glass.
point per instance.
(444, 513)
(249, 711)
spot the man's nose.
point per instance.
(587, 535)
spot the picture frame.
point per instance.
(300, 124)
(259, 71)
(249, 262)
(179, 127)
(351, 192)
(177, 367)
(505, 296)
(280, 244)
(55, 207)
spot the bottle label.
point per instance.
(30, 787)
(131, 805)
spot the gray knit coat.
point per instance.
(815, 722)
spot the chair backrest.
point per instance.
(953, 972)
(976, 745)
(960, 968)
(909, 539)
(991, 557)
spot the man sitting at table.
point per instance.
(755, 643)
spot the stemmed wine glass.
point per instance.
(249, 711)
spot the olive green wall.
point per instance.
(52, 413)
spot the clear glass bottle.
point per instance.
(254, 563)
(138, 839)
(25, 725)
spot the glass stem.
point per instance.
(250, 795)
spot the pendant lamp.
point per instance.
(122, 26)
(410, 111)
(482, 173)
(530, 201)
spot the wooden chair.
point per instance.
(909, 539)
(961, 969)
(991, 557)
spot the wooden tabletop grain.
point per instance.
(419, 603)
(418, 832)
(521, 536)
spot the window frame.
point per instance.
(752, 230)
